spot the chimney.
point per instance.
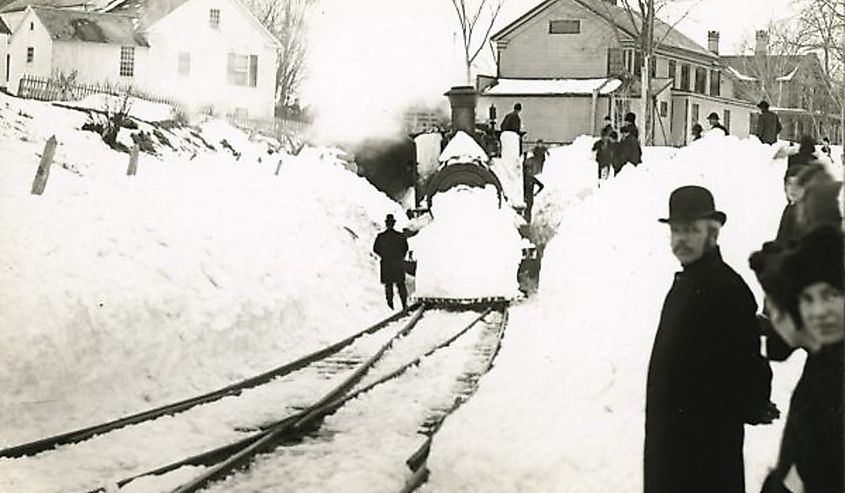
(713, 41)
(462, 99)
(762, 46)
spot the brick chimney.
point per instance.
(713, 41)
(762, 46)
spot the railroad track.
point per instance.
(275, 413)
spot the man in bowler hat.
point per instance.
(706, 376)
(392, 246)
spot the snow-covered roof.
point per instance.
(555, 87)
(788, 77)
(464, 146)
(91, 27)
(736, 73)
(4, 29)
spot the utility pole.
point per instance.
(645, 74)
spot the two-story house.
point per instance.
(795, 85)
(573, 62)
(210, 55)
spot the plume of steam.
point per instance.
(369, 60)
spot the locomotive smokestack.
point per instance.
(462, 99)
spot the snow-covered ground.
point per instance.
(563, 409)
(120, 293)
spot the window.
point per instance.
(565, 27)
(715, 83)
(30, 54)
(615, 61)
(701, 80)
(629, 61)
(214, 18)
(672, 70)
(685, 77)
(638, 63)
(653, 66)
(32, 26)
(728, 120)
(183, 66)
(664, 109)
(695, 111)
(242, 70)
(127, 61)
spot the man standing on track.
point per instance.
(392, 246)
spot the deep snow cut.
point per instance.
(572, 370)
(120, 293)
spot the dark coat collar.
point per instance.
(709, 259)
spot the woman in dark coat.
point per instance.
(811, 450)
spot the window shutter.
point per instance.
(230, 68)
(253, 71)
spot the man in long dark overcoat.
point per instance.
(768, 125)
(706, 376)
(392, 246)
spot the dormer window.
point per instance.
(214, 18)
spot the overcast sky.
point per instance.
(369, 57)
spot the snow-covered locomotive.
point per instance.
(472, 249)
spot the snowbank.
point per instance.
(119, 293)
(573, 366)
(471, 249)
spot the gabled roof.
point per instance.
(91, 27)
(618, 16)
(745, 67)
(551, 87)
(18, 5)
(151, 11)
(4, 29)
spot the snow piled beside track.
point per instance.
(563, 409)
(120, 293)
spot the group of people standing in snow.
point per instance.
(707, 377)
(612, 153)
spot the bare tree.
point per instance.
(475, 17)
(286, 20)
(638, 19)
(773, 62)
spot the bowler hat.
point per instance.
(763, 105)
(690, 203)
(390, 219)
(713, 116)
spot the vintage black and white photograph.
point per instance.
(432, 246)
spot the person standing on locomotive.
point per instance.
(391, 246)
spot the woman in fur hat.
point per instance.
(804, 287)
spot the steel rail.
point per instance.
(82, 434)
(279, 431)
(417, 462)
(289, 428)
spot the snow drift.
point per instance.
(563, 410)
(119, 293)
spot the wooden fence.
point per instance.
(278, 128)
(45, 89)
